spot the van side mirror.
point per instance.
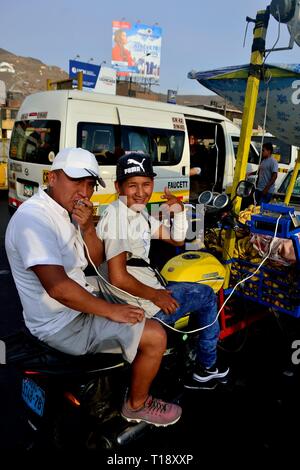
(244, 189)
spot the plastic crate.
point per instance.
(277, 288)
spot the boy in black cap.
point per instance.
(126, 229)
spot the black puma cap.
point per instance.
(134, 164)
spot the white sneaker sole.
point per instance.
(201, 387)
(138, 420)
(219, 375)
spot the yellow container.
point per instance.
(195, 266)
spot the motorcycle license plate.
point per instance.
(33, 396)
(28, 190)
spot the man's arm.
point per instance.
(69, 293)
(121, 278)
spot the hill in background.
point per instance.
(26, 75)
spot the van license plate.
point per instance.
(28, 190)
(33, 396)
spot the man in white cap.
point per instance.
(44, 244)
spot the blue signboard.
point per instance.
(90, 72)
(172, 94)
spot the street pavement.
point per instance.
(256, 412)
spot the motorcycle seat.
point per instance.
(25, 351)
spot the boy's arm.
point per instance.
(121, 278)
(177, 233)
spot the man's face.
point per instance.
(68, 191)
(265, 153)
(137, 189)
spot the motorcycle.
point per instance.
(74, 401)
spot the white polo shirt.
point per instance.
(124, 230)
(41, 232)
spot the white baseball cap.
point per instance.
(77, 163)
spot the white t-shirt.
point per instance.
(124, 230)
(41, 232)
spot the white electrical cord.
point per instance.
(222, 306)
(234, 288)
(100, 275)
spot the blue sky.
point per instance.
(197, 34)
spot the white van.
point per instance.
(110, 126)
(285, 154)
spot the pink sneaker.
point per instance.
(154, 411)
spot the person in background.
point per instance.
(267, 174)
(194, 156)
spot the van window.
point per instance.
(108, 142)
(253, 156)
(163, 145)
(100, 139)
(281, 150)
(33, 141)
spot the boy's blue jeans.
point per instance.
(201, 300)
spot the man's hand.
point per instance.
(173, 204)
(265, 191)
(83, 214)
(164, 300)
(125, 313)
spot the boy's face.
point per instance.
(137, 189)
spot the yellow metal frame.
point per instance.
(63, 84)
(293, 180)
(257, 56)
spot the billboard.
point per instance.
(95, 77)
(136, 50)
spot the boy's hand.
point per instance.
(164, 300)
(173, 204)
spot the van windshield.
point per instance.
(283, 188)
(35, 141)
